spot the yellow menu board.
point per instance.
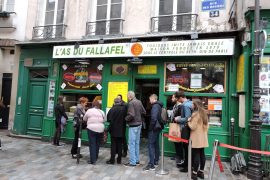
(147, 69)
(115, 88)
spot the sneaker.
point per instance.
(156, 164)
(200, 174)
(180, 163)
(194, 176)
(90, 162)
(149, 167)
(138, 163)
(129, 165)
(173, 158)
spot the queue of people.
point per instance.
(190, 115)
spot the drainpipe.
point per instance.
(255, 163)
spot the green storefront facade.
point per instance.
(44, 74)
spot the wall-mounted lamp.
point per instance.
(164, 39)
(133, 40)
(194, 35)
(77, 45)
(101, 41)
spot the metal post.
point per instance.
(189, 158)
(213, 160)
(162, 171)
(255, 164)
(79, 139)
(232, 135)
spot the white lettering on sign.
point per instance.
(210, 47)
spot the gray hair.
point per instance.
(154, 96)
(131, 94)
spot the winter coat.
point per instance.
(95, 120)
(155, 116)
(77, 115)
(135, 112)
(198, 133)
(59, 112)
(116, 117)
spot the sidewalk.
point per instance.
(34, 159)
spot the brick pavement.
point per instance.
(34, 159)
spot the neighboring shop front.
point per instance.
(204, 69)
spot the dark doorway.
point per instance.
(143, 89)
(5, 98)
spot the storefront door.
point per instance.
(143, 89)
(36, 101)
(5, 98)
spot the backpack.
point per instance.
(164, 116)
(238, 163)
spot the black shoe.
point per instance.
(119, 160)
(149, 167)
(194, 176)
(109, 162)
(74, 156)
(173, 158)
(90, 162)
(124, 154)
(138, 163)
(129, 165)
(184, 170)
(200, 175)
(180, 164)
(156, 164)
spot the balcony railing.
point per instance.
(49, 32)
(184, 22)
(105, 27)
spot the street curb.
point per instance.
(10, 134)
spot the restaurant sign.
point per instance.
(210, 47)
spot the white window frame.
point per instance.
(93, 15)
(41, 14)
(4, 4)
(156, 13)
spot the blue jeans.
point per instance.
(94, 143)
(153, 147)
(134, 144)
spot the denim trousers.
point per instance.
(134, 144)
(94, 144)
(153, 147)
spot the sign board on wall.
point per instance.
(210, 47)
(115, 88)
(147, 69)
(209, 5)
(215, 104)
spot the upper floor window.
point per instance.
(173, 15)
(50, 19)
(106, 18)
(7, 5)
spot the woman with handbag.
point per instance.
(198, 123)
(95, 119)
(80, 110)
(59, 114)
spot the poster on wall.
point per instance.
(264, 80)
(82, 76)
(51, 95)
(115, 88)
(215, 104)
(264, 103)
(195, 80)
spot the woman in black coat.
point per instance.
(59, 113)
(116, 117)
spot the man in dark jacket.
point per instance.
(59, 113)
(134, 120)
(125, 146)
(154, 131)
(116, 117)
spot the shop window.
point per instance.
(82, 76)
(203, 77)
(71, 100)
(213, 105)
(119, 69)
